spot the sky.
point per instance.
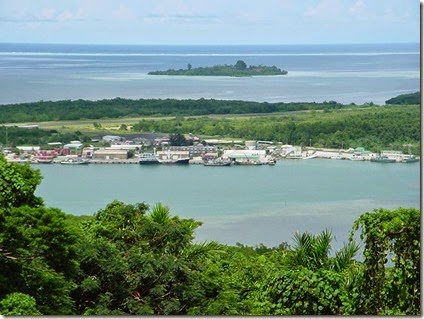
(210, 21)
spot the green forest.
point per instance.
(119, 107)
(239, 69)
(373, 127)
(140, 260)
(411, 98)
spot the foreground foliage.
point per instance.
(136, 259)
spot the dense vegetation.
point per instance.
(328, 124)
(118, 107)
(140, 260)
(374, 128)
(239, 69)
(411, 98)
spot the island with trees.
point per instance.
(240, 69)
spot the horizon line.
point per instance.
(209, 44)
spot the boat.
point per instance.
(42, 160)
(148, 159)
(217, 162)
(75, 161)
(382, 159)
(357, 158)
(175, 161)
(410, 159)
(247, 162)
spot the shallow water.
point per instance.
(247, 204)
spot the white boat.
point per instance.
(218, 162)
(42, 160)
(75, 161)
(148, 159)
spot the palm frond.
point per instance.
(160, 213)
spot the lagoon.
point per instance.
(246, 204)
(346, 73)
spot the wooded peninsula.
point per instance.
(327, 124)
(240, 69)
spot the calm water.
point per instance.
(344, 73)
(251, 205)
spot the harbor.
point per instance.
(157, 149)
(228, 158)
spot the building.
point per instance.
(126, 146)
(194, 150)
(28, 149)
(244, 154)
(172, 155)
(109, 153)
(111, 139)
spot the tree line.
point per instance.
(373, 127)
(141, 260)
(410, 98)
(115, 108)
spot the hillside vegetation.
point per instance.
(411, 98)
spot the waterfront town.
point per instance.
(156, 149)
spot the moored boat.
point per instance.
(382, 159)
(42, 160)
(410, 159)
(217, 162)
(148, 158)
(75, 161)
(175, 161)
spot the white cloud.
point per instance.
(357, 8)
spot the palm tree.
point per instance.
(313, 252)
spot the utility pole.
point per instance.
(7, 142)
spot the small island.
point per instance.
(240, 69)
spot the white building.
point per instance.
(28, 148)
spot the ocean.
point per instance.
(356, 73)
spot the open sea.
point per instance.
(250, 205)
(358, 73)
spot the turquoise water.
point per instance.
(246, 204)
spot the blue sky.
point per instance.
(209, 21)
